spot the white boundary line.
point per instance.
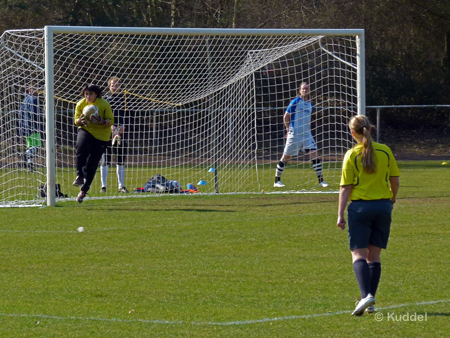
(244, 322)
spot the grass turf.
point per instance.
(221, 266)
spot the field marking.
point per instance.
(242, 322)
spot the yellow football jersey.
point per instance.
(100, 132)
(369, 186)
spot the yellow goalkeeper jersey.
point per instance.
(100, 132)
(366, 186)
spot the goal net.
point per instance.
(201, 107)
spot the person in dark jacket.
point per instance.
(31, 125)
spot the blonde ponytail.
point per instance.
(361, 126)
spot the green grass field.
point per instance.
(222, 266)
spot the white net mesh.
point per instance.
(197, 107)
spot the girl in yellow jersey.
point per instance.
(92, 138)
(370, 179)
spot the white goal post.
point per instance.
(204, 106)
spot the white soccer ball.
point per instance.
(80, 229)
(89, 111)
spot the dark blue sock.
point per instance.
(375, 274)
(362, 273)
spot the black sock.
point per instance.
(375, 274)
(279, 171)
(362, 273)
(317, 166)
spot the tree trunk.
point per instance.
(173, 9)
(233, 22)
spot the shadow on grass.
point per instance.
(198, 207)
(158, 209)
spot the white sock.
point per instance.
(121, 175)
(104, 170)
(30, 154)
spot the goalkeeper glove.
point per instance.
(97, 119)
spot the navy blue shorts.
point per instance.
(369, 222)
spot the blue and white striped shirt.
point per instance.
(301, 112)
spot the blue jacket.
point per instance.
(30, 119)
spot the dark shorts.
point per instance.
(369, 222)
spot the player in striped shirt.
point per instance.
(297, 120)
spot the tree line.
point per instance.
(407, 41)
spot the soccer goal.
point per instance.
(203, 106)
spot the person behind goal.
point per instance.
(31, 125)
(297, 120)
(119, 134)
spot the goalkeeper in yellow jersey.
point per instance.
(92, 137)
